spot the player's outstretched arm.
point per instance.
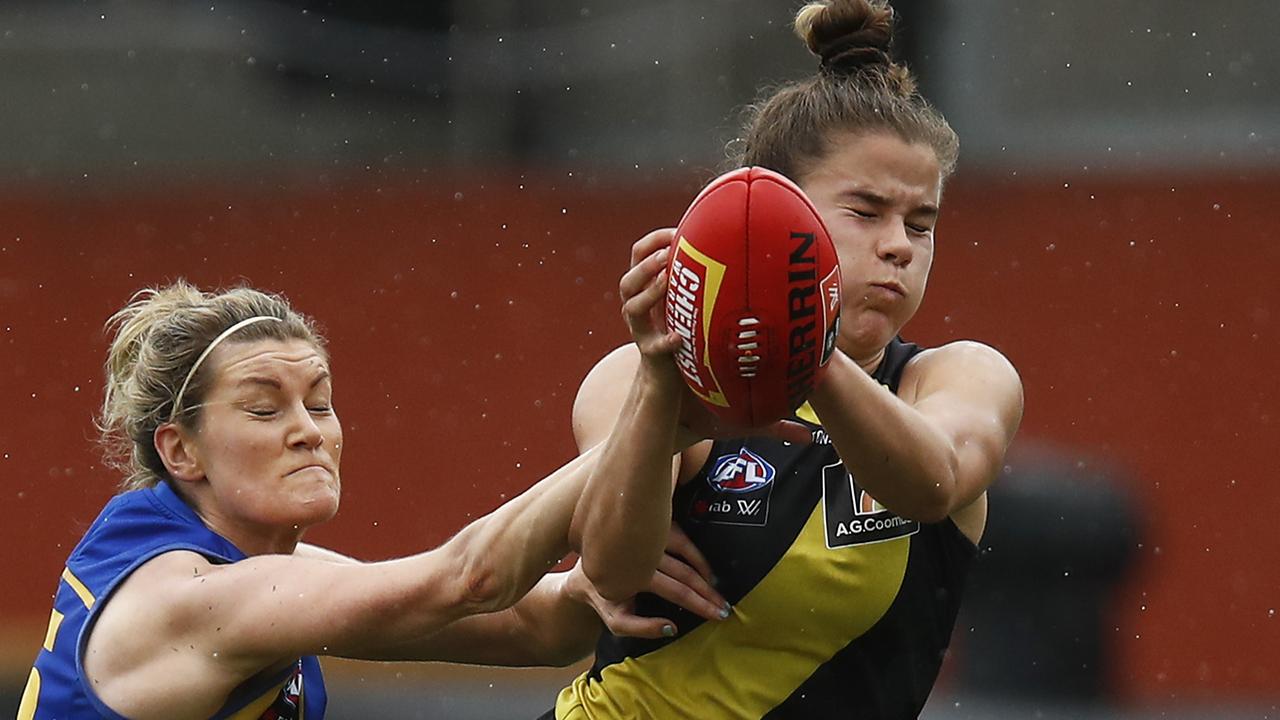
(934, 448)
(631, 400)
(654, 432)
(223, 623)
(560, 619)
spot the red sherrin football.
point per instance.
(753, 289)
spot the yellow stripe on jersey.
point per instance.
(55, 622)
(812, 603)
(86, 597)
(30, 697)
(806, 412)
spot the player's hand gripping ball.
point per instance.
(753, 290)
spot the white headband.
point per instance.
(177, 402)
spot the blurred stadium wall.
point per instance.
(451, 190)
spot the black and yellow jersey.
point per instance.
(841, 608)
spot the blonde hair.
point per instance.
(858, 88)
(159, 335)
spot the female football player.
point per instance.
(844, 558)
(193, 595)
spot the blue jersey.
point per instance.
(133, 528)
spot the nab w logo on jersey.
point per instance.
(741, 473)
(737, 490)
(853, 517)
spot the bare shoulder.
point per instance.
(601, 395)
(961, 351)
(963, 364)
(146, 626)
(155, 602)
(618, 365)
(152, 594)
(972, 384)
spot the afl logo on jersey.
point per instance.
(742, 472)
(737, 490)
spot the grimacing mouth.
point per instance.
(893, 285)
(322, 466)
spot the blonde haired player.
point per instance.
(192, 594)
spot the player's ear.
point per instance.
(178, 453)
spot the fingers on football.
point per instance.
(655, 240)
(652, 295)
(678, 583)
(670, 342)
(641, 276)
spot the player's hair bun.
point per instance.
(847, 35)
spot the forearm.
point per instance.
(504, 553)
(484, 569)
(304, 604)
(897, 455)
(546, 627)
(624, 513)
